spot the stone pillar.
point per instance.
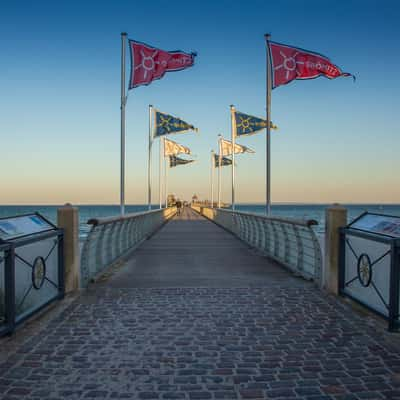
(335, 218)
(68, 219)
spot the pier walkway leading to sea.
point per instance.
(191, 251)
(195, 313)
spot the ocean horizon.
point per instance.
(315, 211)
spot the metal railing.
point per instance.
(111, 238)
(31, 276)
(369, 272)
(291, 242)
(7, 314)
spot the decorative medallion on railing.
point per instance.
(364, 269)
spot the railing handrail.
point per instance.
(293, 221)
(109, 220)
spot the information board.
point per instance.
(15, 227)
(377, 223)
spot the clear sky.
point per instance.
(60, 94)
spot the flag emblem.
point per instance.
(247, 124)
(166, 124)
(290, 63)
(149, 63)
(175, 161)
(225, 161)
(172, 148)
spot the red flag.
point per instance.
(290, 63)
(149, 63)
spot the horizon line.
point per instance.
(156, 204)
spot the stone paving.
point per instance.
(277, 341)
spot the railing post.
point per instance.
(61, 275)
(335, 218)
(9, 285)
(394, 290)
(68, 220)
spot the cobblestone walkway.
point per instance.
(277, 341)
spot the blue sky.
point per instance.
(60, 89)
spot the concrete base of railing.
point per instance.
(293, 243)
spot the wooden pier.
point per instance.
(191, 251)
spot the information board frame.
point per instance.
(388, 229)
(49, 227)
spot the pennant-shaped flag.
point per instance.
(149, 63)
(224, 161)
(172, 148)
(248, 125)
(175, 161)
(290, 63)
(166, 124)
(226, 148)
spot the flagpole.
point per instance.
(123, 104)
(149, 161)
(212, 178)
(268, 137)
(166, 178)
(161, 142)
(233, 156)
(219, 173)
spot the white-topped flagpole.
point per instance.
(123, 104)
(149, 161)
(212, 177)
(268, 137)
(233, 135)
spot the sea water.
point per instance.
(298, 211)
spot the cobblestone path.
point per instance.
(282, 339)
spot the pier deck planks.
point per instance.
(191, 251)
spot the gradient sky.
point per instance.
(60, 87)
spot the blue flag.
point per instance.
(166, 124)
(224, 161)
(248, 125)
(174, 161)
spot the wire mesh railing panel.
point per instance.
(111, 238)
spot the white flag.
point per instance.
(172, 148)
(226, 148)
